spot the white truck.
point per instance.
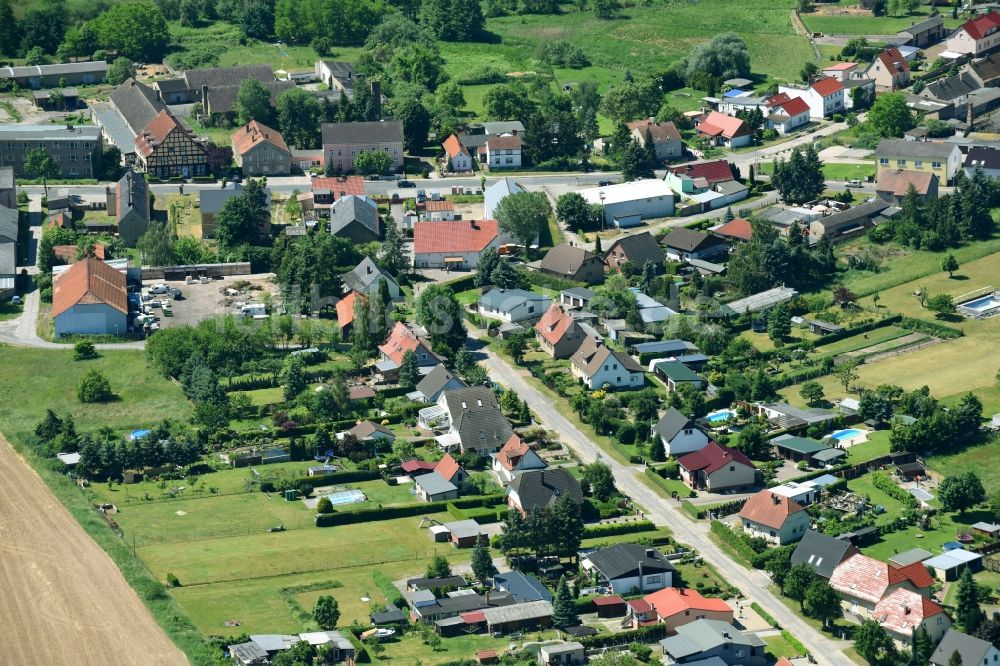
(253, 310)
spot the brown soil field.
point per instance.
(63, 600)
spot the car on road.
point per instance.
(603, 183)
(854, 183)
(15, 299)
(407, 183)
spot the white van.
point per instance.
(253, 310)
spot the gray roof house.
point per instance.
(138, 105)
(974, 651)
(8, 241)
(945, 158)
(702, 639)
(477, 420)
(822, 552)
(626, 567)
(365, 279)
(685, 244)
(679, 434)
(377, 131)
(356, 218)
(129, 204)
(437, 381)
(56, 75)
(432, 487)
(513, 305)
(573, 263)
(248, 654)
(537, 489)
(638, 249)
(523, 587)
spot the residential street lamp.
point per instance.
(601, 196)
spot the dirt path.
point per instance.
(64, 600)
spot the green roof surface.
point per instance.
(678, 372)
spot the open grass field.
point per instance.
(36, 379)
(869, 25)
(945, 528)
(980, 457)
(876, 446)
(862, 340)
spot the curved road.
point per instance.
(753, 583)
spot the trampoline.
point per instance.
(346, 497)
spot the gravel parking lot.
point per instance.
(205, 301)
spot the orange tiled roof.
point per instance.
(866, 578)
(554, 324)
(447, 467)
(89, 282)
(345, 308)
(766, 508)
(453, 146)
(901, 611)
(512, 452)
(400, 341)
(453, 236)
(826, 86)
(253, 133)
(671, 600)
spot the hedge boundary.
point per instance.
(614, 529)
(405, 511)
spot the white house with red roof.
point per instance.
(558, 334)
(401, 340)
(779, 520)
(502, 152)
(976, 37)
(825, 96)
(723, 130)
(889, 70)
(676, 607)
(862, 582)
(453, 244)
(786, 113)
(716, 468)
(457, 157)
(902, 612)
(513, 458)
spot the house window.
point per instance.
(918, 163)
(8, 145)
(732, 468)
(883, 160)
(688, 431)
(901, 163)
(936, 165)
(772, 533)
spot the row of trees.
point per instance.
(768, 259)
(553, 531)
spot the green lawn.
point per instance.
(36, 379)
(982, 458)
(837, 171)
(863, 486)
(779, 646)
(945, 528)
(862, 340)
(869, 25)
(876, 447)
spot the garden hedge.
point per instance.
(930, 328)
(613, 529)
(692, 510)
(405, 511)
(650, 634)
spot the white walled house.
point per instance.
(679, 434)
(597, 366)
(627, 567)
(512, 305)
(453, 244)
(825, 96)
(89, 298)
(978, 36)
(503, 152)
(628, 204)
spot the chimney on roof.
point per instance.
(650, 552)
(204, 99)
(776, 499)
(376, 87)
(159, 95)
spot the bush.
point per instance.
(94, 387)
(305, 489)
(692, 510)
(739, 542)
(387, 513)
(172, 580)
(324, 505)
(930, 328)
(84, 350)
(612, 529)
(884, 483)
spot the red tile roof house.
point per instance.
(666, 139)
(454, 244)
(89, 298)
(776, 519)
(400, 341)
(676, 607)
(558, 334)
(325, 191)
(716, 468)
(862, 582)
(451, 470)
(977, 36)
(723, 130)
(889, 70)
(261, 151)
(825, 96)
(457, 158)
(901, 612)
(786, 114)
(738, 229)
(345, 311)
(698, 177)
(893, 185)
(513, 458)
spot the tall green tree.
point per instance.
(967, 608)
(136, 30)
(241, 217)
(409, 370)
(298, 118)
(295, 381)
(800, 178)
(874, 645)
(38, 163)
(119, 71)
(452, 20)
(563, 607)
(779, 324)
(800, 577)
(482, 563)
(821, 602)
(890, 116)
(523, 215)
(8, 29)
(253, 102)
(439, 312)
(438, 567)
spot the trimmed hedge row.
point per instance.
(855, 330)
(734, 541)
(930, 328)
(692, 510)
(390, 591)
(336, 478)
(613, 529)
(407, 511)
(882, 481)
(650, 634)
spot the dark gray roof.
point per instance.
(363, 275)
(353, 208)
(391, 615)
(434, 484)
(506, 300)
(703, 635)
(822, 552)
(580, 292)
(137, 103)
(523, 587)
(222, 99)
(671, 423)
(925, 25)
(565, 259)
(462, 604)
(986, 157)
(8, 224)
(952, 87)
(540, 488)
(212, 201)
(973, 650)
(133, 194)
(689, 240)
(226, 76)
(435, 380)
(916, 149)
(625, 560)
(339, 69)
(424, 583)
(476, 416)
(247, 652)
(6, 178)
(639, 248)
(987, 69)
(669, 347)
(171, 85)
(376, 131)
(860, 212)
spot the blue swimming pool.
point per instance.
(982, 306)
(346, 497)
(849, 433)
(720, 416)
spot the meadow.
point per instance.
(869, 25)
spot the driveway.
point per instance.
(754, 584)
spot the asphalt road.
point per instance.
(754, 584)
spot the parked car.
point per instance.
(15, 299)
(407, 183)
(854, 183)
(158, 289)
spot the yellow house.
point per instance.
(942, 159)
